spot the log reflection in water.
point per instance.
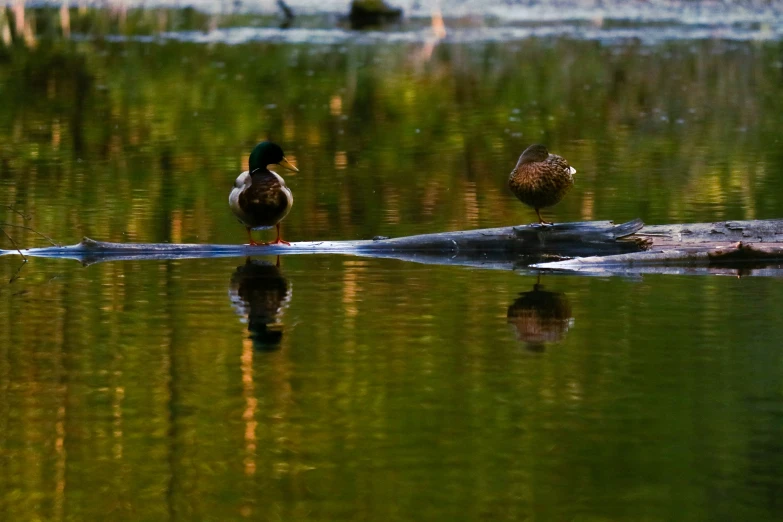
(540, 317)
(260, 293)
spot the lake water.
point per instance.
(338, 388)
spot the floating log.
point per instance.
(600, 248)
(506, 247)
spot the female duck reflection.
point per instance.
(540, 317)
(260, 294)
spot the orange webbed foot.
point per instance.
(279, 240)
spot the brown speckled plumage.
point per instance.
(264, 203)
(540, 179)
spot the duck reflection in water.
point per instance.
(260, 293)
(540, 317)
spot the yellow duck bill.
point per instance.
(287, 165)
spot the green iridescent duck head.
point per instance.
(268, 153)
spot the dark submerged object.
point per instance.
(540, 317)
(288, 14)
(260, 197)
(541, 179)
(260, 293)
(372, 13)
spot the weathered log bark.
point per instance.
(690, 249)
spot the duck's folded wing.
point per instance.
(560, 165)
(264, 201)
(242, 180)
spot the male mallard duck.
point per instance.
(260, 197)
(541, 179)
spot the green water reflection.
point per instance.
(334, 388)
(397, 392)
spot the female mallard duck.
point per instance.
(260, 197)
(541, 179)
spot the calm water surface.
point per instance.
(339, 388)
